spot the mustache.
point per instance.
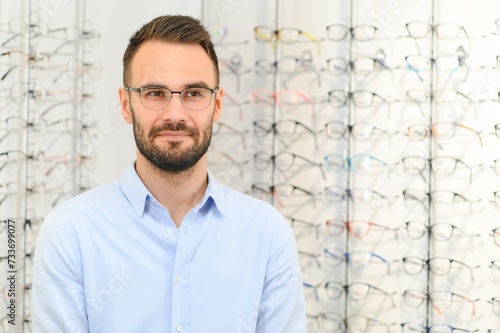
(173, 128)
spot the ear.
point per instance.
(125, 105)
(218, 104)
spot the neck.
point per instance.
(177, 192)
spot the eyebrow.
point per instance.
(194, 84)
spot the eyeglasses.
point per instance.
(444, 97)
(358, 162)
(363, 196)
(361, 33)
(282, 191)
(361, 65)
(440, 299)
(157, 98)
(356, 259)
(364, 324)
(439, 231)
(441, 130)
(287, 66)
(444, 31)
(283, 98)
(356, 228)
(444, 63)
(441, 165)
(360, 98)
(357, 291)
(21, 90)
(265, 33)
(17, 27)
(440, 266)
(283, 161)
(441, 197)
(441, 328)
(286, 128)
(359, 131)
(330, 322)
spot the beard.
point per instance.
(172, 159)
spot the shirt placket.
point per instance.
(181, 279)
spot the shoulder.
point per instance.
(99, 196)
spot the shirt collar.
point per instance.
(137, 194)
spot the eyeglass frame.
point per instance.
(140, 90)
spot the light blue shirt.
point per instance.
(111, 260)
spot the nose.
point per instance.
(175, 110)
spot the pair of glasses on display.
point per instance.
(356, 163)
(284, 35)
(443, 31)
(439, 131)
(282, 192)
(446, 63)
(362, 196)
(441, 165)
(289, 66)
(287, 99)
(356, 291)
(360, 98)
(20, 91)
(455, 100)
(440, 197)
(284, 161)
(284, 129)
(68, 125)
(360, 33)
(361, 66)
(361, 131)
(439, 231)
(438, 328)
(439, 299)
(356, 228)
(332, 322)
(333, 257)
(440, 266)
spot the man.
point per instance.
(167, 248)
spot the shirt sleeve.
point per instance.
(57, 302)
(282, 308)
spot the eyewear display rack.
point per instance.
(371, 125)
(46, 151)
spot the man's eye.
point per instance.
(155, 93)
(195, 93)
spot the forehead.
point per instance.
(171, 64)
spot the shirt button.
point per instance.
(178, 328)
(178, 278)
(170, 231)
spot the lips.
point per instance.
(174, 131)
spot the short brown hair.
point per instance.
(170, 29)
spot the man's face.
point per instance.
(174, 138)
